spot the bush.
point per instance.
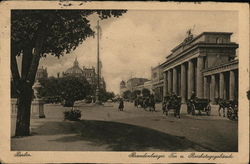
(72, 115)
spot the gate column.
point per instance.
(212, 88)
(183, 83)
(190, 78)
(199, 77)
(165, 82)
(175, 81)
(169, 81)
(222, 83)
(232, 85)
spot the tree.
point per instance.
(73, 89)
(50, 87)
(127, 94)
(37, 33)
(104, 95)
(135, 94)
(145, 92)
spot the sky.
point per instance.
(140, 39)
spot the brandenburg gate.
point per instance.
(206, 64)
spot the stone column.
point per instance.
(190, 78)
(175, 81)
(183, 83)
(165, 87)
(169, 81)
(199, 77)
(206, 89)
(212, 88)
(231, 85)
(222, 85)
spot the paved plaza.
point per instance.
(104, 128)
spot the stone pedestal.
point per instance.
(37, 107)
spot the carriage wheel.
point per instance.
(208, 110)
(193, 109)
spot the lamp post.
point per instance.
(98, 67)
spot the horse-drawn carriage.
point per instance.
(174, 103)
(230, 105)
(202, 105)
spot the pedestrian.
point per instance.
(121, 105)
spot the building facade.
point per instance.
(205, 64)
(123, 87)
(157, 82)
(133, 83)
(88, 73)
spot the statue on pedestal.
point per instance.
(37, 103)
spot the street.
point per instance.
(104, 128)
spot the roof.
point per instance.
(198, 36)
(75, 69)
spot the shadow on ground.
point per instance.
(117, 136)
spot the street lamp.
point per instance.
(98, 102)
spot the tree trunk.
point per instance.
(23, 112)
(26, 92)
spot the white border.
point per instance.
(110, 157)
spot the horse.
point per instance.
(223, 104)
(174, 103)
(164, 104)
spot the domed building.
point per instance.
(88, 73)
(75, 70)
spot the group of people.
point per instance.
(145, 102)
(170, 98)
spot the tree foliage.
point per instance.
(105, 95)
(73, 88)
(145, 92)
(37, 33)
(135, 94)
(127, 94)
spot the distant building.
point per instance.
(123, 87)
(145, 85)
(157, 82)
(88, 73)
(134, 82)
